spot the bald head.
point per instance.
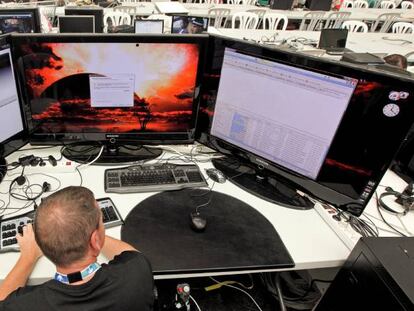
(64, 224)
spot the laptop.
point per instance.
(76, 24)
(149, 26)
(333, 41)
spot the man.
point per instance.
(69, 231)
(195, 25)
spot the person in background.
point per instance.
(195, 25)
(69, 231)
(397, 60)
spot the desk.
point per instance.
(370, 42)
(310, 241)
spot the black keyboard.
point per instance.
(11, 226)
(110, 214)
(153, 177)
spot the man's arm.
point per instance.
(29, 254)
(113, 247)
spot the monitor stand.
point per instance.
(112, 154)
(264, 184)
(3, 168)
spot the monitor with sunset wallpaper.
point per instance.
(123, 89)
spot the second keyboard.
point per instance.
(151, 178)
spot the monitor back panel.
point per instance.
(333, 38)
(319, 5)
(281, 4)
(77, 24)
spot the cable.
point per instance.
(382, 216)
(226, 283)
(195, 302)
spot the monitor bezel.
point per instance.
(34, 11)
(305, 184)
(5, 149)
(98, 12)
(146, 138)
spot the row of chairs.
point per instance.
(316, 20)
(387, 4)
(313, 20)
(358, 26)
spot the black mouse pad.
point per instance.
(237, 237)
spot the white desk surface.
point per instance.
(311, 243)
(371, 42)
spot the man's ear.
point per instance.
(96, 242)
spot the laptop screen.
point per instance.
(149, 26)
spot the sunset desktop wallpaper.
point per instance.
(57, 82)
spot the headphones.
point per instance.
(406, 200)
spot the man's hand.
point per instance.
(29, 254)
(28, 246)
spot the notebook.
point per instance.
(333, 41)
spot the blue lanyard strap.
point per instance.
(77, 276)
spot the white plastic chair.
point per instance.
(347, 4)
(407, 5)
(386, 20)
(312, 21)
(387, 5)
(355, 26)
(402, 27)
(249, 2)
(115, 19)
(130, 10)
(335, 19)
(220, 17)
(234, 1)
(259, 12)
(247, 20)
(361, 4)
(273, 20)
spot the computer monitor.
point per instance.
(22, 20)
(152, 26)
(319, 5)
(11, 122)
(184, 24)
(281, 4)
(110, 91)
(76, 24)
(95, 11)
(327, 128)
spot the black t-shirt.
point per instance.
(125, 283)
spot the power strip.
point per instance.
(63, 166)
(341, 228)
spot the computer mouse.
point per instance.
(197, 223)
(216, 175)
